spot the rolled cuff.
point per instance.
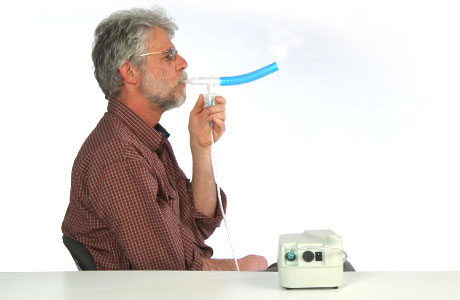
(207, 225)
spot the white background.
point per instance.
(358, 132)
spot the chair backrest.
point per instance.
(80, 254)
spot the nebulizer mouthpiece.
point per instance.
(212, 82)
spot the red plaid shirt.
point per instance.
(130, 203)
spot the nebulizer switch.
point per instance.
(319, 256)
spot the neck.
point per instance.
(148, 111)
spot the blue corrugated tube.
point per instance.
(234, 80)
(245, 78)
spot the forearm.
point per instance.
(247, 263)
(210, 264)
(203, 182)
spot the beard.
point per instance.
(159, 93)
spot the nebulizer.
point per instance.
(212, 82)
(209, 98)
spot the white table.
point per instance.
(222, 285)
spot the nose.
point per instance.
(181, 63)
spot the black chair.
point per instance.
(80, 254)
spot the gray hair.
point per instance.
(121, 37)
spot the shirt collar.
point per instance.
(153, 137)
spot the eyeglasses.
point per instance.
(170, 53)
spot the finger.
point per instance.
(220, 100)
(219, 126)
(221, 116)
(215, 109)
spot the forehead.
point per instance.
(158, 40)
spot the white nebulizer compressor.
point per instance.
(312, 259)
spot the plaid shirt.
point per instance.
(130, 203)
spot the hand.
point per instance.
(252, 263)
(200, 123)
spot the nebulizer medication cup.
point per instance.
(210, 97)
(210, 100)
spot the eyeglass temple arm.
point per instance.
(145, 54)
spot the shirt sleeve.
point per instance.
(143, 223)
(205, 224)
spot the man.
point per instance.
(130, 204)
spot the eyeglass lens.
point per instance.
(172, 54)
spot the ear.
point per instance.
(129, 73)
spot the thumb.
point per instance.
(199, 105)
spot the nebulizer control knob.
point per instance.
(290, 256)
